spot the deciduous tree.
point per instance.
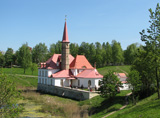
(8, 57)
(39, 53)
(136, 83)
(8, 98)
(109, 85)
(152, 41)
(33, 67)
(24, 56)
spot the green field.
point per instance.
(118, 69)
(22, 81)
(146, 108)
(19, 71)
(99, 107)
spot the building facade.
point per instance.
(63, 70)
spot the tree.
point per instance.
(84, 49)
(33, 67)
(92, 53)
(74, 49)
(130, 53)
(2, 60)
(109, 85)
(144, 64)
(58, 47)
(8, 98)
(108, 53)
(136, 83)
(51, 50)
(39, 53)
(117, 53)
(98, 56)
(103, 53)
(152, 41)
(8, 57)
(24, 56)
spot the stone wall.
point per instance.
(66, 92)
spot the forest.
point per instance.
(102, 54)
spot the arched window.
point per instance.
(89, 83)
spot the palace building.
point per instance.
(64, 70)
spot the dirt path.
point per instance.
(124, 106)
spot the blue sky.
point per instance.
(36, 21)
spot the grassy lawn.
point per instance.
(19, 71)
(146, 108)
(99, 107)
(21, 81)
(119, 69)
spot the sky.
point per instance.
(42, 21)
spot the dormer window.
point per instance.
(83, 66)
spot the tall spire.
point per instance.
(65, 49)
(65, 33)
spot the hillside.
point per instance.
(118, 69)
(146, 108)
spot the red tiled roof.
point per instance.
(122, 75)
(89, 73)
(124, 82)
(80, 62)
(62, 74)
(52, 62)
(65, 34)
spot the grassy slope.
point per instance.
(119, 69)
(21, 81)
(99, 106)
(19, 71)
(146, 108)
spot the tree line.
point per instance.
(103, 54)
(144, 75)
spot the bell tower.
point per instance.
(65, 49)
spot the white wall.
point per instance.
(58, 82)
(74, 82)
(52, 71)
(125, 87)
(74, 71)
(97, 82)
(66, 82)
(84, 82)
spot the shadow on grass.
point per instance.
(108, 105)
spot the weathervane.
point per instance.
(65, 17)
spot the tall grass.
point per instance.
(64, 107)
